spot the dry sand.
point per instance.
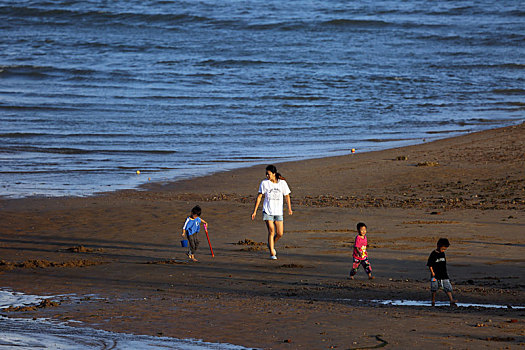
(124, 248)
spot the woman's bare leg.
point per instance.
(279, 231)
(270, 225)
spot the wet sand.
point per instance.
(124, 249)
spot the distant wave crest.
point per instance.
(68, 150)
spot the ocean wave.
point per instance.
(19, 135)
(69, 150)
(280, 25)
(481, 121)
(511, 104)
(52, 169)
(236, 160)
(27, 71)
(37, 108)
(309, 105)
(457, 11)
(40, 72)
(342, 22)
(432, 105)
(234, 63)
(93, 135)
(386, 140)
(67, 16)
(295, 98)
(514, 12)
(378, 24)
(480, 66)
(428, 124)
(452, 131)
(473, 10)
(518, 92)
(480, 39)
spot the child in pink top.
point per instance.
(360, 255)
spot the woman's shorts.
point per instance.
(267, 217)
(437, 284)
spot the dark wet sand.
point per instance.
(124, 248)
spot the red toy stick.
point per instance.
(209, 243)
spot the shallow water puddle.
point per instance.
(22, 333)
(428, 303)
(43, 334)
(14, 299)
(442, 303)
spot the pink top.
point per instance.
(360, 248)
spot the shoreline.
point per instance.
(424, 157)
(124, 248)
(144, 184)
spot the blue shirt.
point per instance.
(192, 225)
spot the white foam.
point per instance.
(15, 299)
(22, 333)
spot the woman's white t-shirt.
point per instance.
(273, 196)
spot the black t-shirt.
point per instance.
(438, 262)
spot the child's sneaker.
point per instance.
(273, 257)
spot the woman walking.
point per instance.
(275, 189)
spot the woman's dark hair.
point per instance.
(443, 242)
(273, 169)
(196, 210)
(359, 225)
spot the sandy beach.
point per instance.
(120, 252)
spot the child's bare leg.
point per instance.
(368, 269)
(433, 298)
(271, 234)
(452, 301)
(193, 247)
(191, 256)
(355, 266)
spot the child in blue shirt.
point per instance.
(191, 228)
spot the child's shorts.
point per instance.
(436, 284)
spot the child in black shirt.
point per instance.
(437, 265)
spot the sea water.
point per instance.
(92, 91)
(405, 302)
(443, 303)
(25, 333)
